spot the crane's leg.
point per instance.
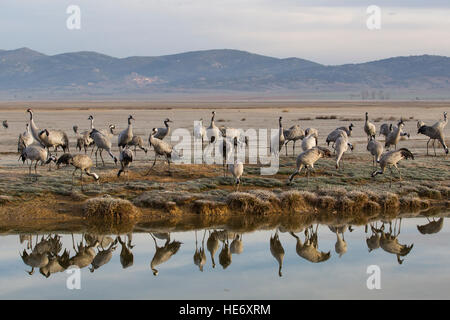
(96, 151)
(399, 174)
(35, 169)
(293, 149)
(81, 178)
(434, 147)
(427, 145)
(154, 162)
(73, 176)
(286, 148)
(101, 157)
(392, 173)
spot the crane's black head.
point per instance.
(90, 117)
(50, 159)
(350, 127)
(44, 131)
(66, 159)
(167, 120)
(400, 122)
(154, 131)
(29, 110)
(130, 117)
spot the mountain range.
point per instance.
(28, 73)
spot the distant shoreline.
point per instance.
(216, 104)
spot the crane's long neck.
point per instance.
(92, 123)
(166, 123)
(130, 127)
(34, 129)
(212, 120)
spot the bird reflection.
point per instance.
(44, 254)
(373, 242)
(212, 244)
(341, 244)
(432, 226)
(199, 255)
(389, 241)
(103, 256)
(308, 250)
(126, 255)
(162, 254)
(277, 250)
(225, 255)
(237, 246)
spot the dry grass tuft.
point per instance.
(389, 201)
(296, 201)
(244, 202)
(208, 207)
(326, 202)
(110, 208)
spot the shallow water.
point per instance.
(251, 274)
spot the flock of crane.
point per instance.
(34, 145)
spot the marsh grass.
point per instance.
(109, 208)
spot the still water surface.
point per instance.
(246, 265)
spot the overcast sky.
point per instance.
(325, 31)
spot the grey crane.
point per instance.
(84, 140)
(161, 148)
(307, 159)
(126, 135)
(213, 132)
(376, 150)
(280, 139)
(434, 132)
(336, 133)
(369, 128)
(165, 131)
(395, 135)
(55, 139)
(390, 159)
(36, 154)
(293, 134)
(236, 169)
(83, 163)
(125, 158)
(137, 141)
(25, 139)
(102, 142)
(48, 138)
(199, 130)
(341, 145)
